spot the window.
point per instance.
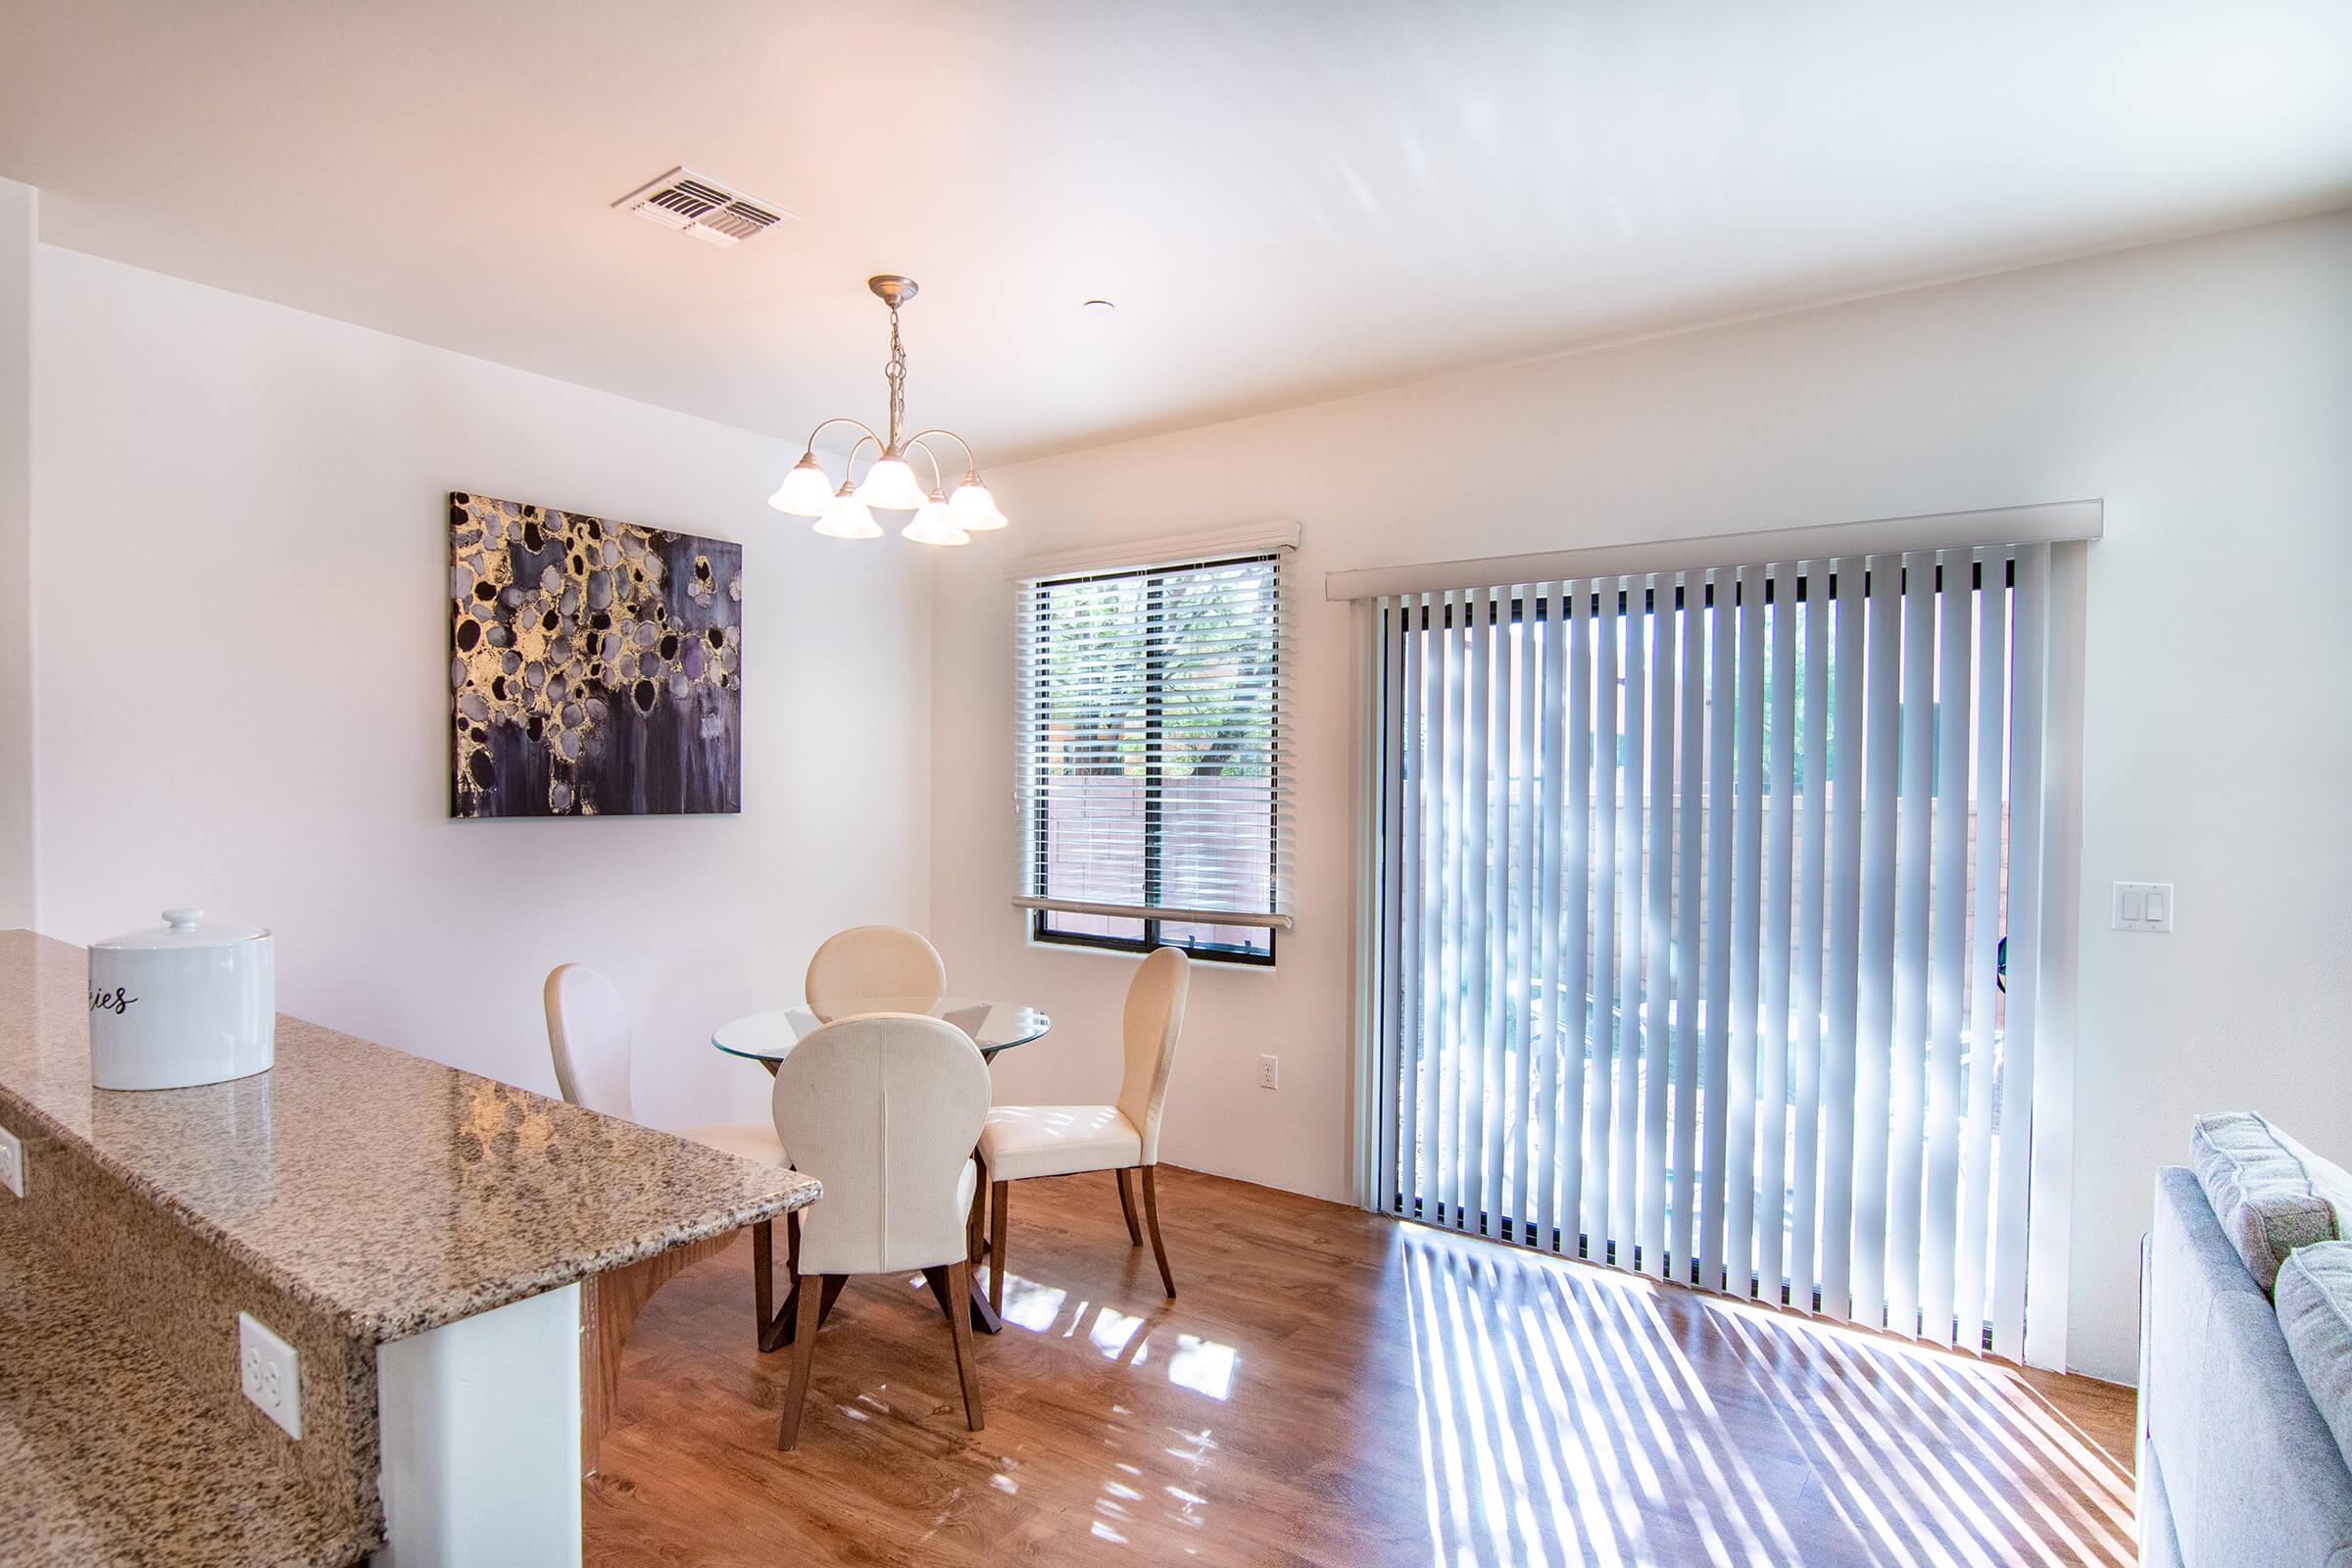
(1155, 807)
(1708, 926)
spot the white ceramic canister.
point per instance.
(184, 1004)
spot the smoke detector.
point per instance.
(713, 212)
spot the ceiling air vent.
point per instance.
(704, 208)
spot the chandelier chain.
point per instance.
(896, 372)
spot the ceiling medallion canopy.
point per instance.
(891, 483)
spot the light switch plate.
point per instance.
(2144, 907)
(12, 1162)
(269, 1371)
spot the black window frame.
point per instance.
(1039, 929)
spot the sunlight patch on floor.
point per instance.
(1577, 1416)
(1563, 1418)
(1933, 1456)
(1203, 1365)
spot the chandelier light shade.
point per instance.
(805, 491)
(974, 508)
(891, 482)
(847, 518)
(891, 486)
(935, 524)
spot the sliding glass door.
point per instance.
(1706, 921)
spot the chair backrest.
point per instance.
(873, 960)
(588, 1034)
(1155, 1017)
(884, 1111)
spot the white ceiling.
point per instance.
(1288, 200)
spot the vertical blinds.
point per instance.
(1706, 925)
(1152, 780)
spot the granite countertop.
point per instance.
(390, 1193)
(109, 1462)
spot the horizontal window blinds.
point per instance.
(1706, 925)
(1152, 774)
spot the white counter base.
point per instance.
(481, 1433)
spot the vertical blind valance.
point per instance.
(1706, 925)
(1153, 776)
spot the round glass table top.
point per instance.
(993, 1025)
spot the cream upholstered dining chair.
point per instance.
(883, 1109)
(588, 1034)
(872, 960)
(1024, 1141)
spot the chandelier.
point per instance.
(891, 483)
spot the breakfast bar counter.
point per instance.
(416, 1234)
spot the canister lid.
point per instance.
(184, 928)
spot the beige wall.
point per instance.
(2202, 388)
(241, 560)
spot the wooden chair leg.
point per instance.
(1135, 1234)
(829, 1295)
(763, 1277)
(776, 1324)
(1159, 1248)
(999, 1200)
(936, 1279)
(804, 1359)
(960, 1327)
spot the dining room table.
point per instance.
(768, 1037)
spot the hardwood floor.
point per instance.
(1337, 1388)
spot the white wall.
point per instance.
(239, 556)
(2203, 388)
(18, 210)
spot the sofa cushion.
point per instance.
(2315, 1312)
(2269, 1192)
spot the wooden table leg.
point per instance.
(984, 1316)
(976, 1243)
(975, 1227)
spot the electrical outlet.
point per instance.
(269, 1371)
(1269, 1073)
(12, 1162)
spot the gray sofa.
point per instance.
(2237, 1466)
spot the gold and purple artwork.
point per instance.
(595, 667)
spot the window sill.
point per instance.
(1219, 962)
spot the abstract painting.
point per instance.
(595, 667)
